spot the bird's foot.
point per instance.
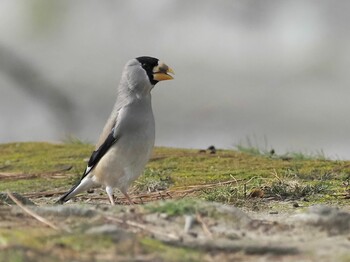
(129, 199)
(109, 191)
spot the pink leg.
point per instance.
(109, 191)
(128, 198)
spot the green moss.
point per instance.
(13, 255)
(170, 253)
(294, 190)
(154, 180)
(31, 237)
(35, 167)
(41, 162)
(174, 208)
(36, 158)
(33, 185)
(57, 166)
(79, 242)
(226, 194)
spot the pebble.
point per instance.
(295, 204)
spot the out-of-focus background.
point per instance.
(276, 72)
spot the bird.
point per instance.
(127, 140)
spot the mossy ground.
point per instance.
(50, 167)
(259, 181)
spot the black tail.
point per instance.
(65, 197)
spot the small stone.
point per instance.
(164, 215)
(295, 204)
(104, 229)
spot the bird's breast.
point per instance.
(137, 133)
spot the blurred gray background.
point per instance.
(276, 72)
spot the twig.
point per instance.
(160, 194)
(169, 194)
(66, 168)
(32, 213)
(177, 192)
(204, 225)
(209, 185)
(141, 200)
(275, 174)
(45, 193)
(14, 176)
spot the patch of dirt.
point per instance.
(210, 232)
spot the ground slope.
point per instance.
(192, 206)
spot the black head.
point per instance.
(148, 63)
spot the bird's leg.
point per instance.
(128, 198)
(109, 191)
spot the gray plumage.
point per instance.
(126, 142)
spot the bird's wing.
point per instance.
(110, 124)
(100, 152)
(113, 136)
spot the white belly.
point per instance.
(125, 160)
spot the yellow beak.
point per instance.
(161, 72)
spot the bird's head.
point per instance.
(155, 70)
(145, 72)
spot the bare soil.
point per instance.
(171, 230)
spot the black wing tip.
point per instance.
(94, 159)
(62, 200)
(65, 197)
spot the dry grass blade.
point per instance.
(52, 174)
(32, 213)
(175, 193)
(45, 193)
(204, 225)
(198, 187)
(13, 176)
